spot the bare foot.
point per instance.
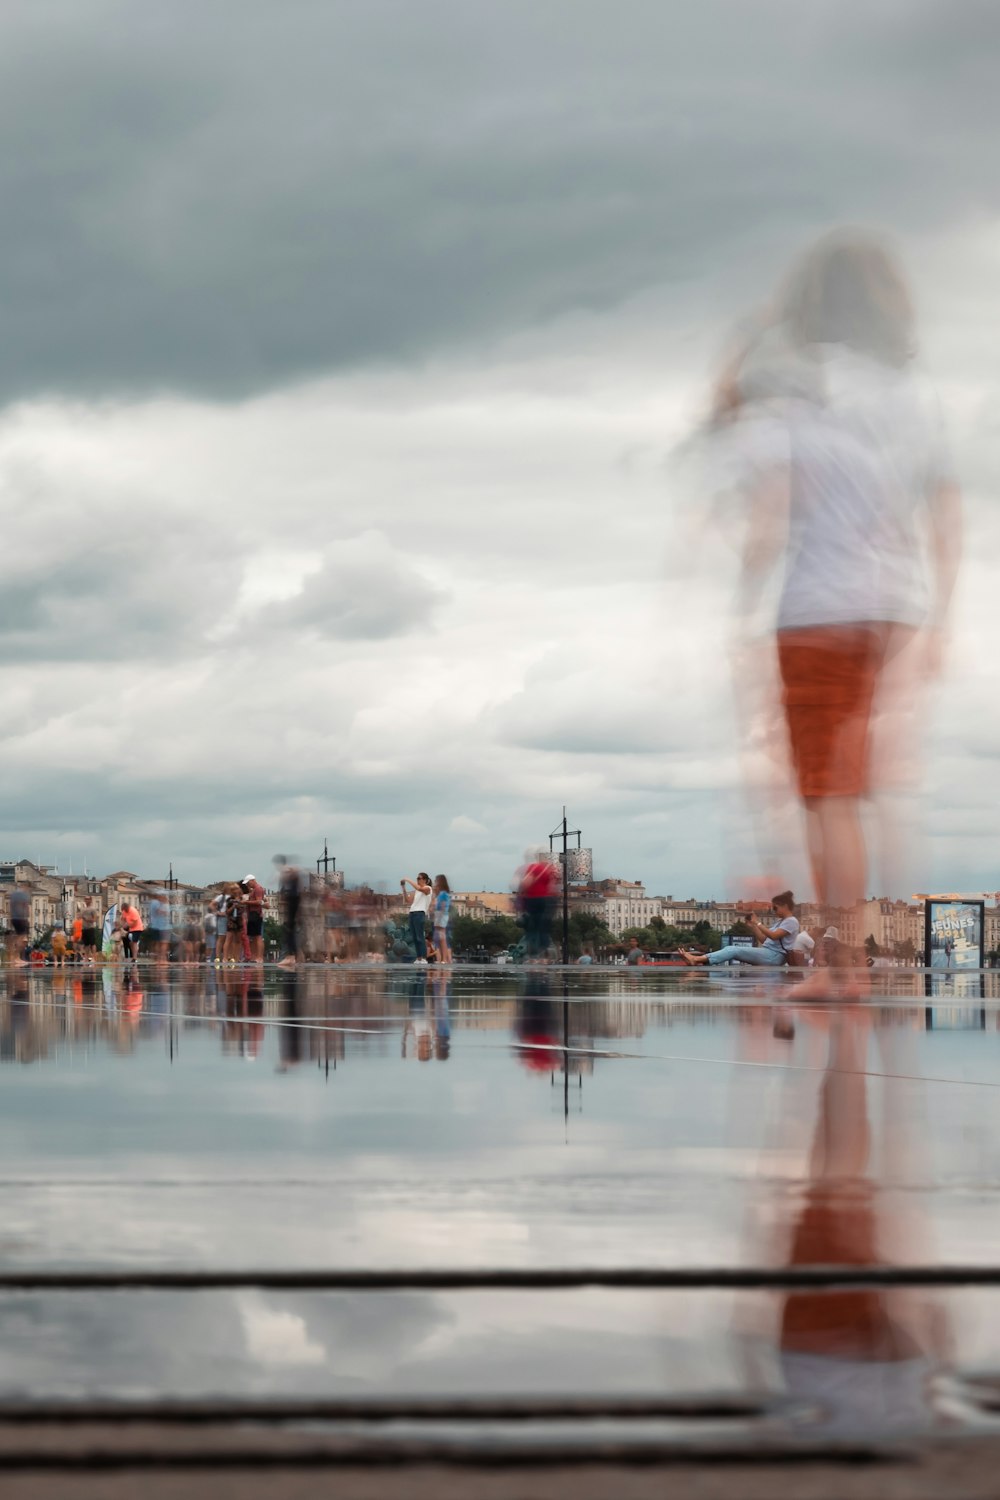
(693, 960)
(820, 985)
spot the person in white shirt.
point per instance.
(837, 448)
(776, 941)
(419, 904)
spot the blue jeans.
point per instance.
(771, 958)
(418, 933)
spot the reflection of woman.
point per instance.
(864, 1356)
(843, 462)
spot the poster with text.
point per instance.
(953, 934)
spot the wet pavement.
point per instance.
(490, 1118)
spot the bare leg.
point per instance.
(837, 849)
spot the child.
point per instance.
(442, 914)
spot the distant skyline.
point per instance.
(345, 355)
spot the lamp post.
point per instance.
(565, 833)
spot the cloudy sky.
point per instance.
(343, 351)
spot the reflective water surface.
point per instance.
(401, 1119)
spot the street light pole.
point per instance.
(565, 833)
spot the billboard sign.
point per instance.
(579, 866)
(953, 934)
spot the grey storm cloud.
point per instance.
(226, 198)
(112, 591)
(363, 592)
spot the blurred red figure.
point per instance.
(839, 453)
(537, 888)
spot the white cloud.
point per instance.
(462, 824)
(275, 1337)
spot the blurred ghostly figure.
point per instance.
(837, 452)
(538, 884)
(866, 1356)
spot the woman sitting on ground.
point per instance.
(775, 942)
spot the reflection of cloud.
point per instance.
(274, 1337)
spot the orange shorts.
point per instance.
(829, 674)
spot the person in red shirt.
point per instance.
(538, 886)
(131, 928)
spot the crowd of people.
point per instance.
(322, 922)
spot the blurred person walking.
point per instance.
(91, 935)
(159, 928)
(335, 924)
(842, 458)
(19, 907)
(290, 893)
(60, 947)
(537, 889)
(419, 904)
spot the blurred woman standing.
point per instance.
(841, 458)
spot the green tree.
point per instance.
(588, 931)
(740, 929)
(871, 946)
(468, 934)
(644, 936)
(706, 936)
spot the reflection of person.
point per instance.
(863, 1356)
(844, 466)
(776, 942)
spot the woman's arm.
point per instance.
(768, 932)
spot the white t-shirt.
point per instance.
(861, 462)
(790, 931)
(421, 900)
